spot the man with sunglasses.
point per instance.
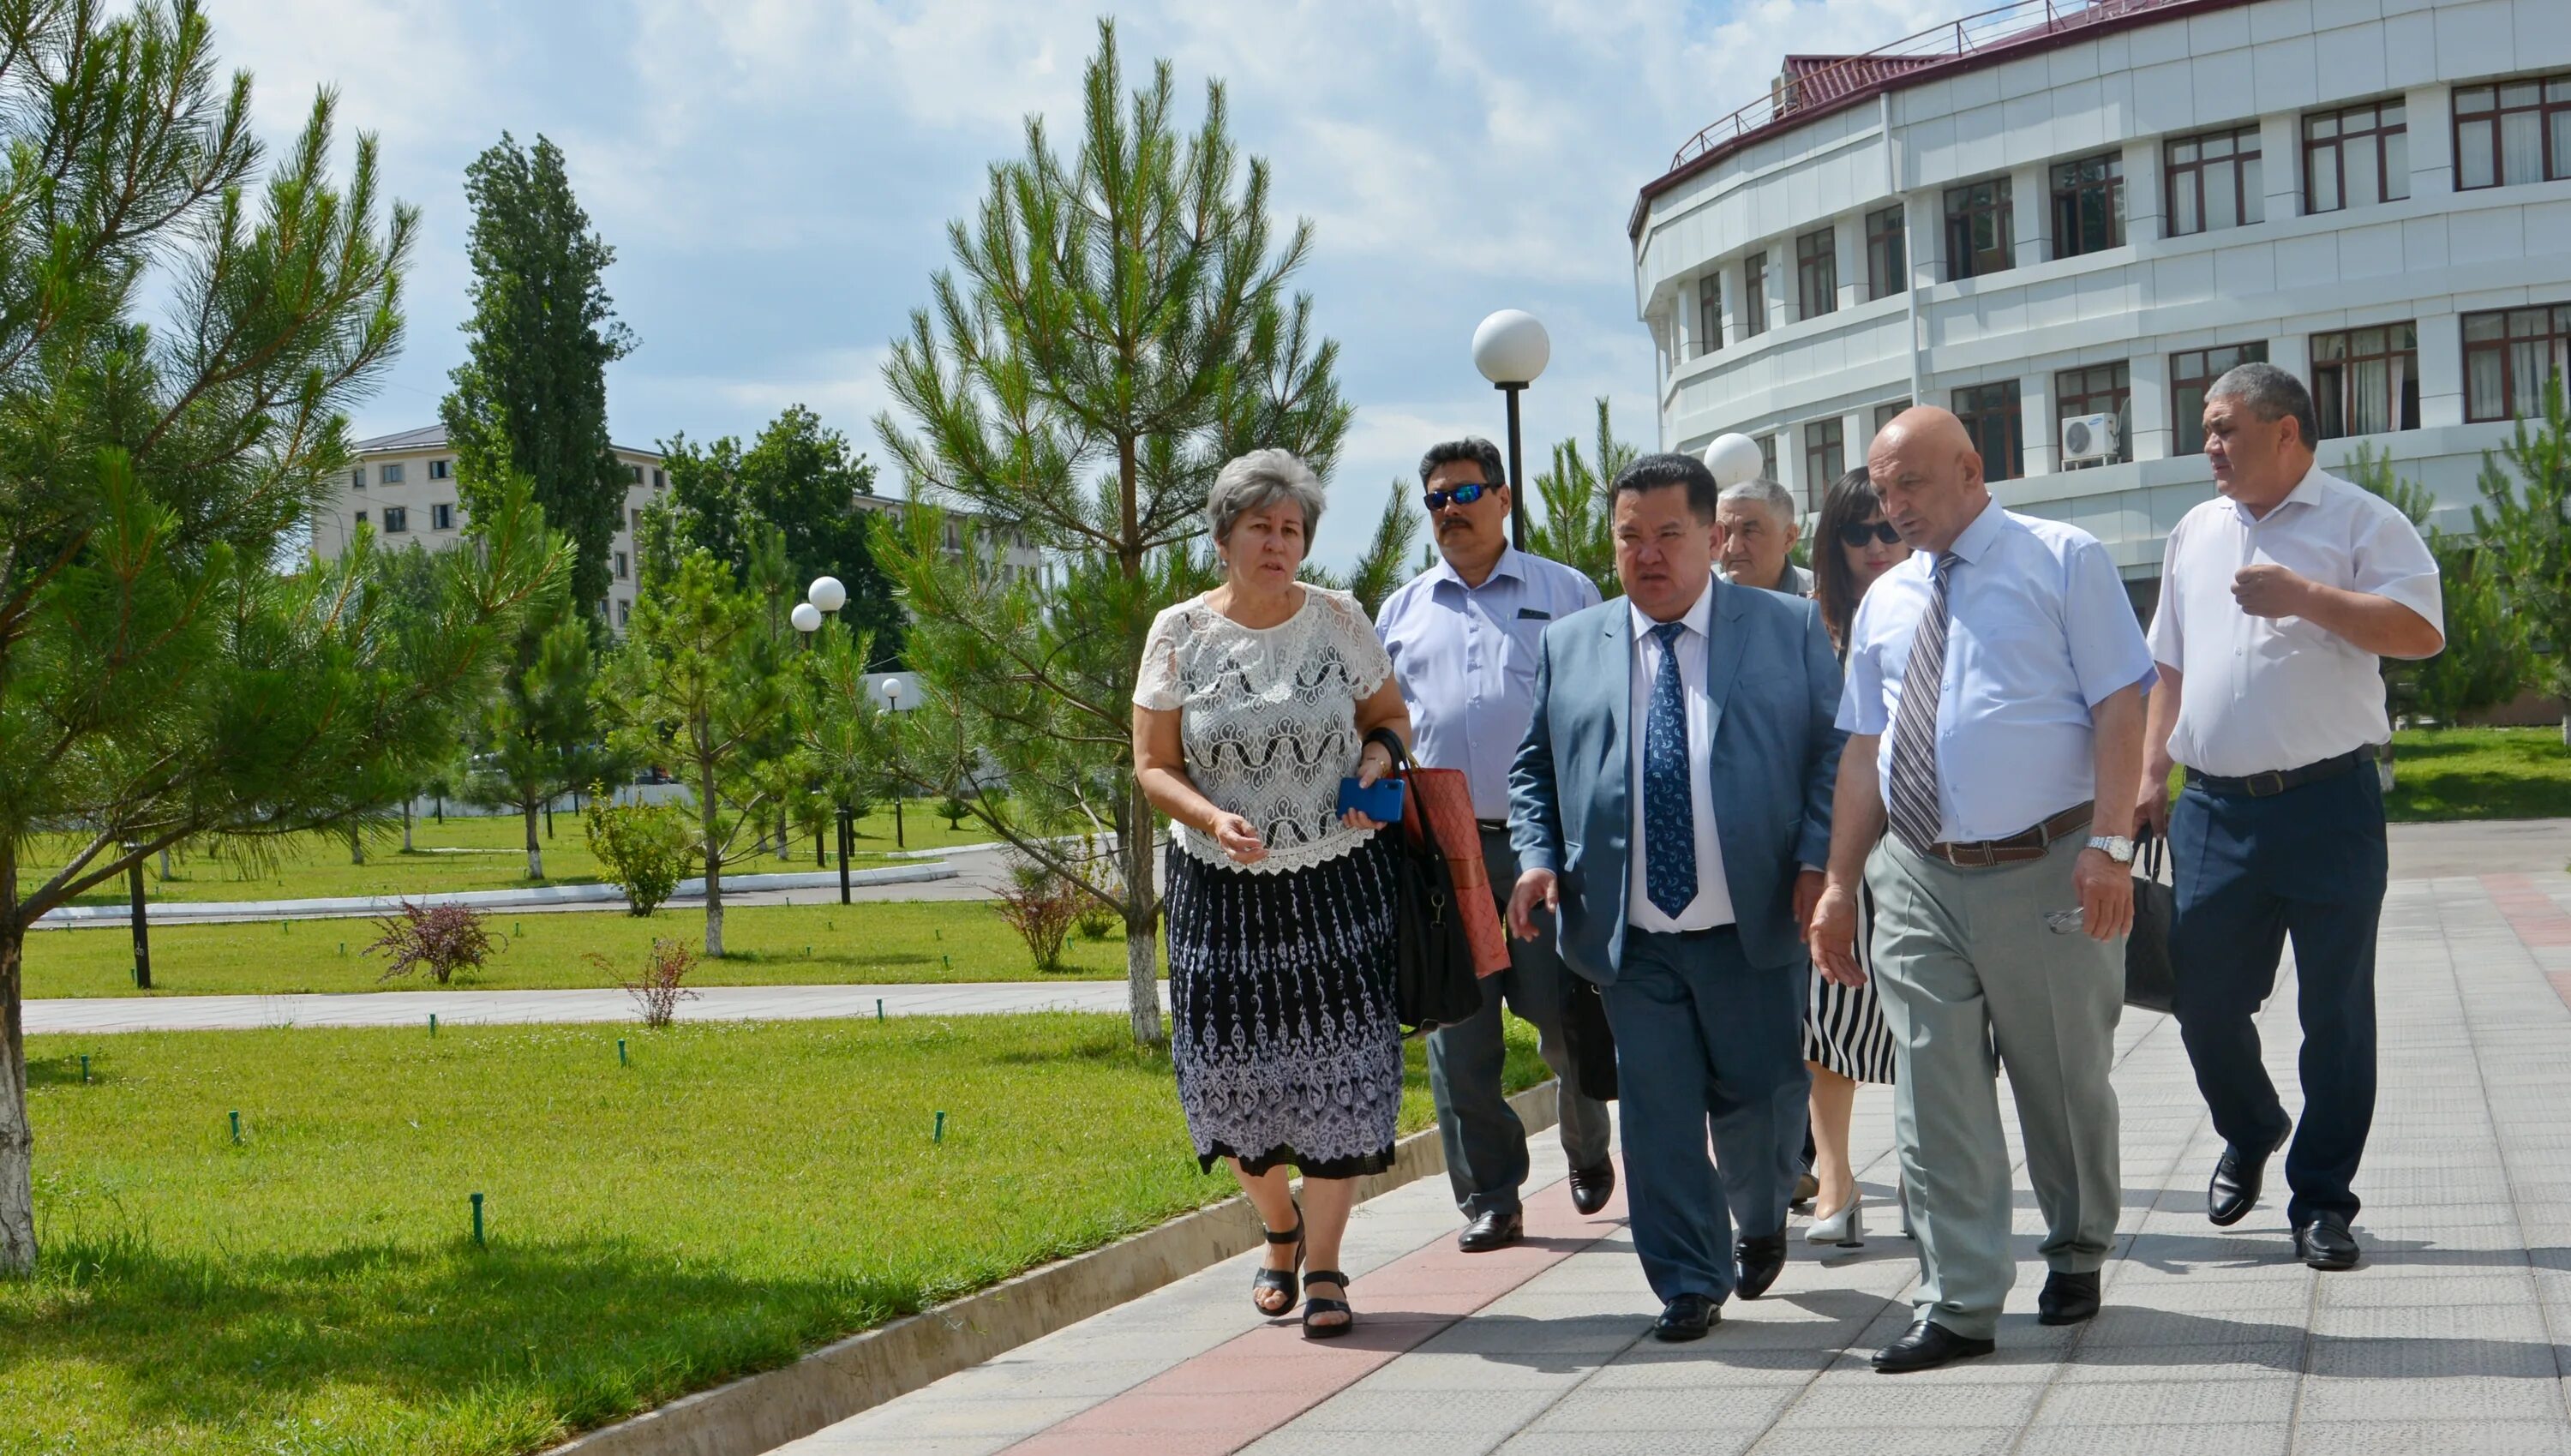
(1463, 637)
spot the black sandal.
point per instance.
(1283, 1281)
(1316, 1304)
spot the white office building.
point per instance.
(2062, 215)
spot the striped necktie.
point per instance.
(1910, 796)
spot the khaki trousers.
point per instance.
(1971, 979)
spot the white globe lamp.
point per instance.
(806, 616)
(1511, 348)
(1733, 459)
(828, 594)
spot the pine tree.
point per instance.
(2525, 517)
(1577, 529)
(531, 394)
(1118, 329)
(2484, 662)
(161, 681)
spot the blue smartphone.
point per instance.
(1382, 804)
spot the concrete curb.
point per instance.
(174, 912)
(759, 1414)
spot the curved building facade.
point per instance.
(2060, 212)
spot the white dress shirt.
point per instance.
(2260, 694)
(2039, 632)
(1465, 658)
(1713, 903)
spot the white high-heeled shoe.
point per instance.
(1845, 1228)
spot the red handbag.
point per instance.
(1447, 798)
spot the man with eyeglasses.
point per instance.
(1463, 637)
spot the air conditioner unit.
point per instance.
(2088, 438)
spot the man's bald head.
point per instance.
(1925, 468)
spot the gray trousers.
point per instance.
(1968, 968)
(1486, 1149)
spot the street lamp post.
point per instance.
(1511, 348)
(823, 597)
(892, 695)
(142, 923)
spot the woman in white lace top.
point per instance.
(1253, 703)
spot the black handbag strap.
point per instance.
(1402, 763)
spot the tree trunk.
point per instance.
(713, 861)
(17, 1138)
(356, 847)
(785, 835)
(535, 850)
(1142, 919)
(406, 845)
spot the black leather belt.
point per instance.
(2276, 781)
(2018, 849)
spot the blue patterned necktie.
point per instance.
(1910, 795)
(1669, 800)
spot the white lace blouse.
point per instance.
(1268, 719)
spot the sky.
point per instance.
(776, 177)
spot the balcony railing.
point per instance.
(1797, 93)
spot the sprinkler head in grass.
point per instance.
(236, 1128)
(879, 1007)
(477, 1220)
(620, 1051)
(939, 1136)
(432, 1023)
(84, 1068)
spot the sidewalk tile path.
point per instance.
(2453, 1335)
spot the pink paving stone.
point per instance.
(2538, 922)
(1233, 1394)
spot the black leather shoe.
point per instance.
(1926, 1346)
(1490, 1231)
(2325, 1244)
(2234, 1189)
(1761, 1260)
(2067, 1298)
(1686, 1317)
(1591, 1188)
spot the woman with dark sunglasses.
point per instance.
(1844, 1040)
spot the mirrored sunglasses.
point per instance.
(1462, 495)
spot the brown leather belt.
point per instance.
(2021, 847)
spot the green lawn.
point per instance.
(483, 854)
(767, 945)
(2480, 774)
(738, 1195)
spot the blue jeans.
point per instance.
(2310, 863)
(1706, 1043)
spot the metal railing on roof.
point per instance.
(1792, 94)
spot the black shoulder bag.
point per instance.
(1433, 980)
(2151, 982)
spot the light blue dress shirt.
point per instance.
(2040, 631)
(1465, 658)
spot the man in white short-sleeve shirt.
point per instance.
(2277, 601)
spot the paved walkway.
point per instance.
(2450, 1337)
(463, 1008)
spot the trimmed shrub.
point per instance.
(1039, 904)
(645, 848)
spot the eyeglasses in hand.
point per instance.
(1462, 495)
(1857, 534)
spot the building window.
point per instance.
(1709, 315)
(1991, 417)
(2513, 132)
(624, 610)
(396, 520)
(1885, 414)
(1817, 273)
(2098, 389)
(1825, 458)
(2508, 356)
(658, 479)
(1754, 295)
(1768, 457)
(2355, 157)
(389, 474)
(2366, 381)
(2214, 182)
(2194, 372)
(634, 474)
(1981, 230)
(619, 566)
(637, 513)
(358, 478)
(362, 519)
(2089, 205)
(441, 469)
(1888, 268)
(442, 517)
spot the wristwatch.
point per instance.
(2118, 848)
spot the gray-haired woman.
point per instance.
(1254, 702)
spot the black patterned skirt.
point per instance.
(1282, 1025)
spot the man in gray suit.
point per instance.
(1671, 807)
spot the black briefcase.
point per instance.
(1585, 1035)
(2150, 983)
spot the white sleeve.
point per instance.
(2168, 637)
(2392, 562)
(1155, 683)
(1366, 657)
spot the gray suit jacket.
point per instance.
(1772, 762)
